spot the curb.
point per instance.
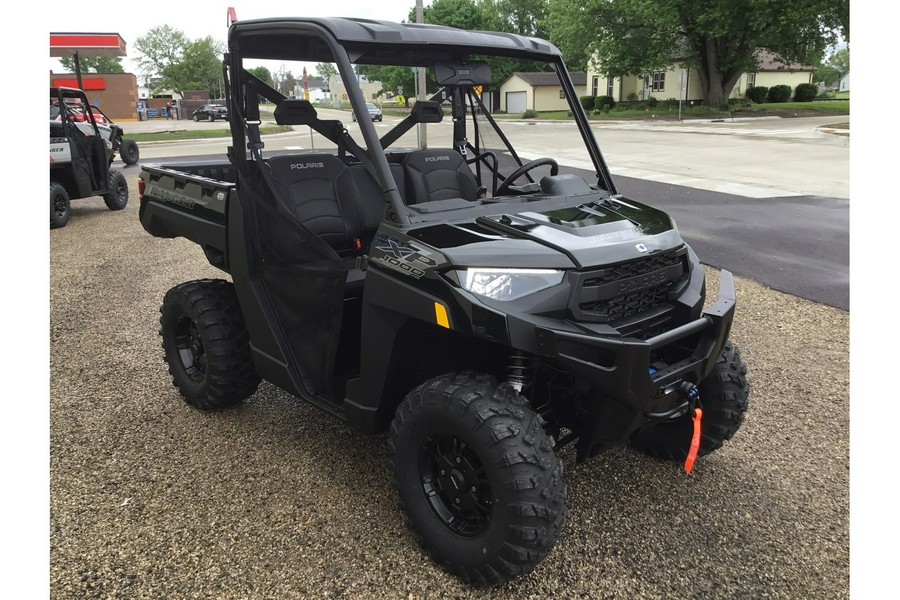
(831, 131)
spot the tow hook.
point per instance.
(693, 398)
(689, 390)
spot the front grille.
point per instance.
(629, 304)
(620, 291)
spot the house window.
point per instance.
(595, 83)
(659, 81)
(562, 95)
(751, 80)
(609, 86)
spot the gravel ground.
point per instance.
(274, 499)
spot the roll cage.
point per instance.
(347, 42)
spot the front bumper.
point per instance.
(622, 369)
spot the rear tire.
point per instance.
(477, 477)
(211, 118)
(60, 206)
(206, 344)
(724, 397)
(128, 152)
(116, 197)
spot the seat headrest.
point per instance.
(291, 111)
(298, 167)
(434, 159)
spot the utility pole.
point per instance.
(423, 140)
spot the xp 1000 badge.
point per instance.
(401, 256)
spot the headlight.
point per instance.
(508, 284)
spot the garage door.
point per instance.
(515, 102)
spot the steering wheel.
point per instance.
(538, 162)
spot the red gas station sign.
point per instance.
(86, 44)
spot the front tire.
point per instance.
(724, 398)
(116, 197)
(477, 477)
(196, 119)
(128, 151)
(206, 344)
(60, 206)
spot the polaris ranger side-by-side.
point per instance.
(486, 309)
(80, 156)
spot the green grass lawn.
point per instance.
(784, 109)
(196, 134)
(823, 105)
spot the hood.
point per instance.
(596, 233)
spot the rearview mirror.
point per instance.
(475, 72)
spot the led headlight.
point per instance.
(508, 284)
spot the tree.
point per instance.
(325, 71)
(284, 81)
(525, 17)
(199, 69)
(463, 14)
(513, 16)
(831, 69)
(161, 47)
(718, 38)
(262, 73)
(395, 80)
(840, 61)
(94, 64)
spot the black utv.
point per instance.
(80, 157)
(488, 310)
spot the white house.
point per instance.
(671, 83)
(844, 82)
(537, 91)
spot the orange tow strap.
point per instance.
(695, 442)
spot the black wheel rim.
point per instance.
(455, 484)
(189, 346)
(59, 206)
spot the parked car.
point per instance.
(211, 112)
(374, 112)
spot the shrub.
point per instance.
(805, 92)
(530, 114)
(631, 105)
(758, 94)
(601, 101)
(670, 103)
(779, 93)
(587, 102)
(632, 97)
(652, 102)
(740, 102)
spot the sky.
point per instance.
(199, 19)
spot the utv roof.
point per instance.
(376, 42)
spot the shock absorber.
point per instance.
(519, 371)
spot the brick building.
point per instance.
(115, 93)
